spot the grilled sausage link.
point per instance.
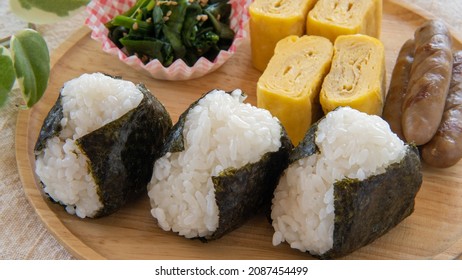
(392, 110)
(445, 148)
(428, 86)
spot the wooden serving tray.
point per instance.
(433, 231)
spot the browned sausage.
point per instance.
(428, 86)
(445, 149)
(398, 86)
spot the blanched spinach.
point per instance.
(171, 30)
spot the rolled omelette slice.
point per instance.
(332, 18)
(289, 87)
(357, 75)
(273, 20)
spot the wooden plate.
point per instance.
(434, 230)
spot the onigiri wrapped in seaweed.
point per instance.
(348, 182)
(222, 161)
(98, 144)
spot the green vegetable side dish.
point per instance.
(171, 30)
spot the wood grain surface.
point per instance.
(433, 231)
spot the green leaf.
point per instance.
(31, 62)
(7, 76)
(45, 11)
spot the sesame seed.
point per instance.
(167, 3)
(202, 17)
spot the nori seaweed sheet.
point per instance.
(365, 210)
(241, 192)
(51, 126)
(307, 146)
(174, 141)
(121, 154)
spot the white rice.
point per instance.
(352, 144)
(89, 102)
(220, 132)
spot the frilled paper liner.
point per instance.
(102, 11)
